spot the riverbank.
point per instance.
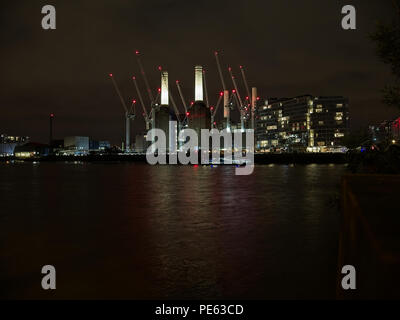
(270, 158)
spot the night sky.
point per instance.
(288, 48)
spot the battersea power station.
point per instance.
(301, 124)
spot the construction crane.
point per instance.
(252, 97)
(245, 82)
(239, 99)
(181, 95)
(205, 88)
(149, 92)
(153, 102)
(214, 110)
(226, 92)
(145, 113)
(220, 70)
(129, 115)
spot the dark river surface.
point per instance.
(134, 231)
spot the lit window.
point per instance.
(339, 116)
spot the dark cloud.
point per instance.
(288, 48)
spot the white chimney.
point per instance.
(164, 88)
(198, 83)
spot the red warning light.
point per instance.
(134, 78)
(216, 52)
(233, 91)
(191, 103)
(137, 52)
(212, 108)
(51, 115)
(258, 98)
(196, 166)
(229, 68)
(241, 67)
(110, 74)
(133, 101)
(247, 98)
(215, 123)
(177, 81)
(187, 114)
(159, 68)
(221, 94)
(159, 90)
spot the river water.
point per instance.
(134, 231)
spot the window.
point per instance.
(339, 116)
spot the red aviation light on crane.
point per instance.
(233, 91)
(229, 69)
(136, 52)
(134, 78)
(191, 103)
(133, 101)
(159, 90)
(159, 68)
(211, 108)
(241, 67)
(188, 114)
(51, 115)
(110, 74)
(247, 98)
(216, 53)
(258, 98)
(177, 81)
(221, 93)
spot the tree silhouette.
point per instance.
(387, 39)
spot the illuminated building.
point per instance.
(31, 150)
(386, 132)
(199, 116)
(8, 144)
(76, 145)
(304, 123)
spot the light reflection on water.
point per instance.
(136, 231)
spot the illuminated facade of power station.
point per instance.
(304, 123)
(199, 116)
